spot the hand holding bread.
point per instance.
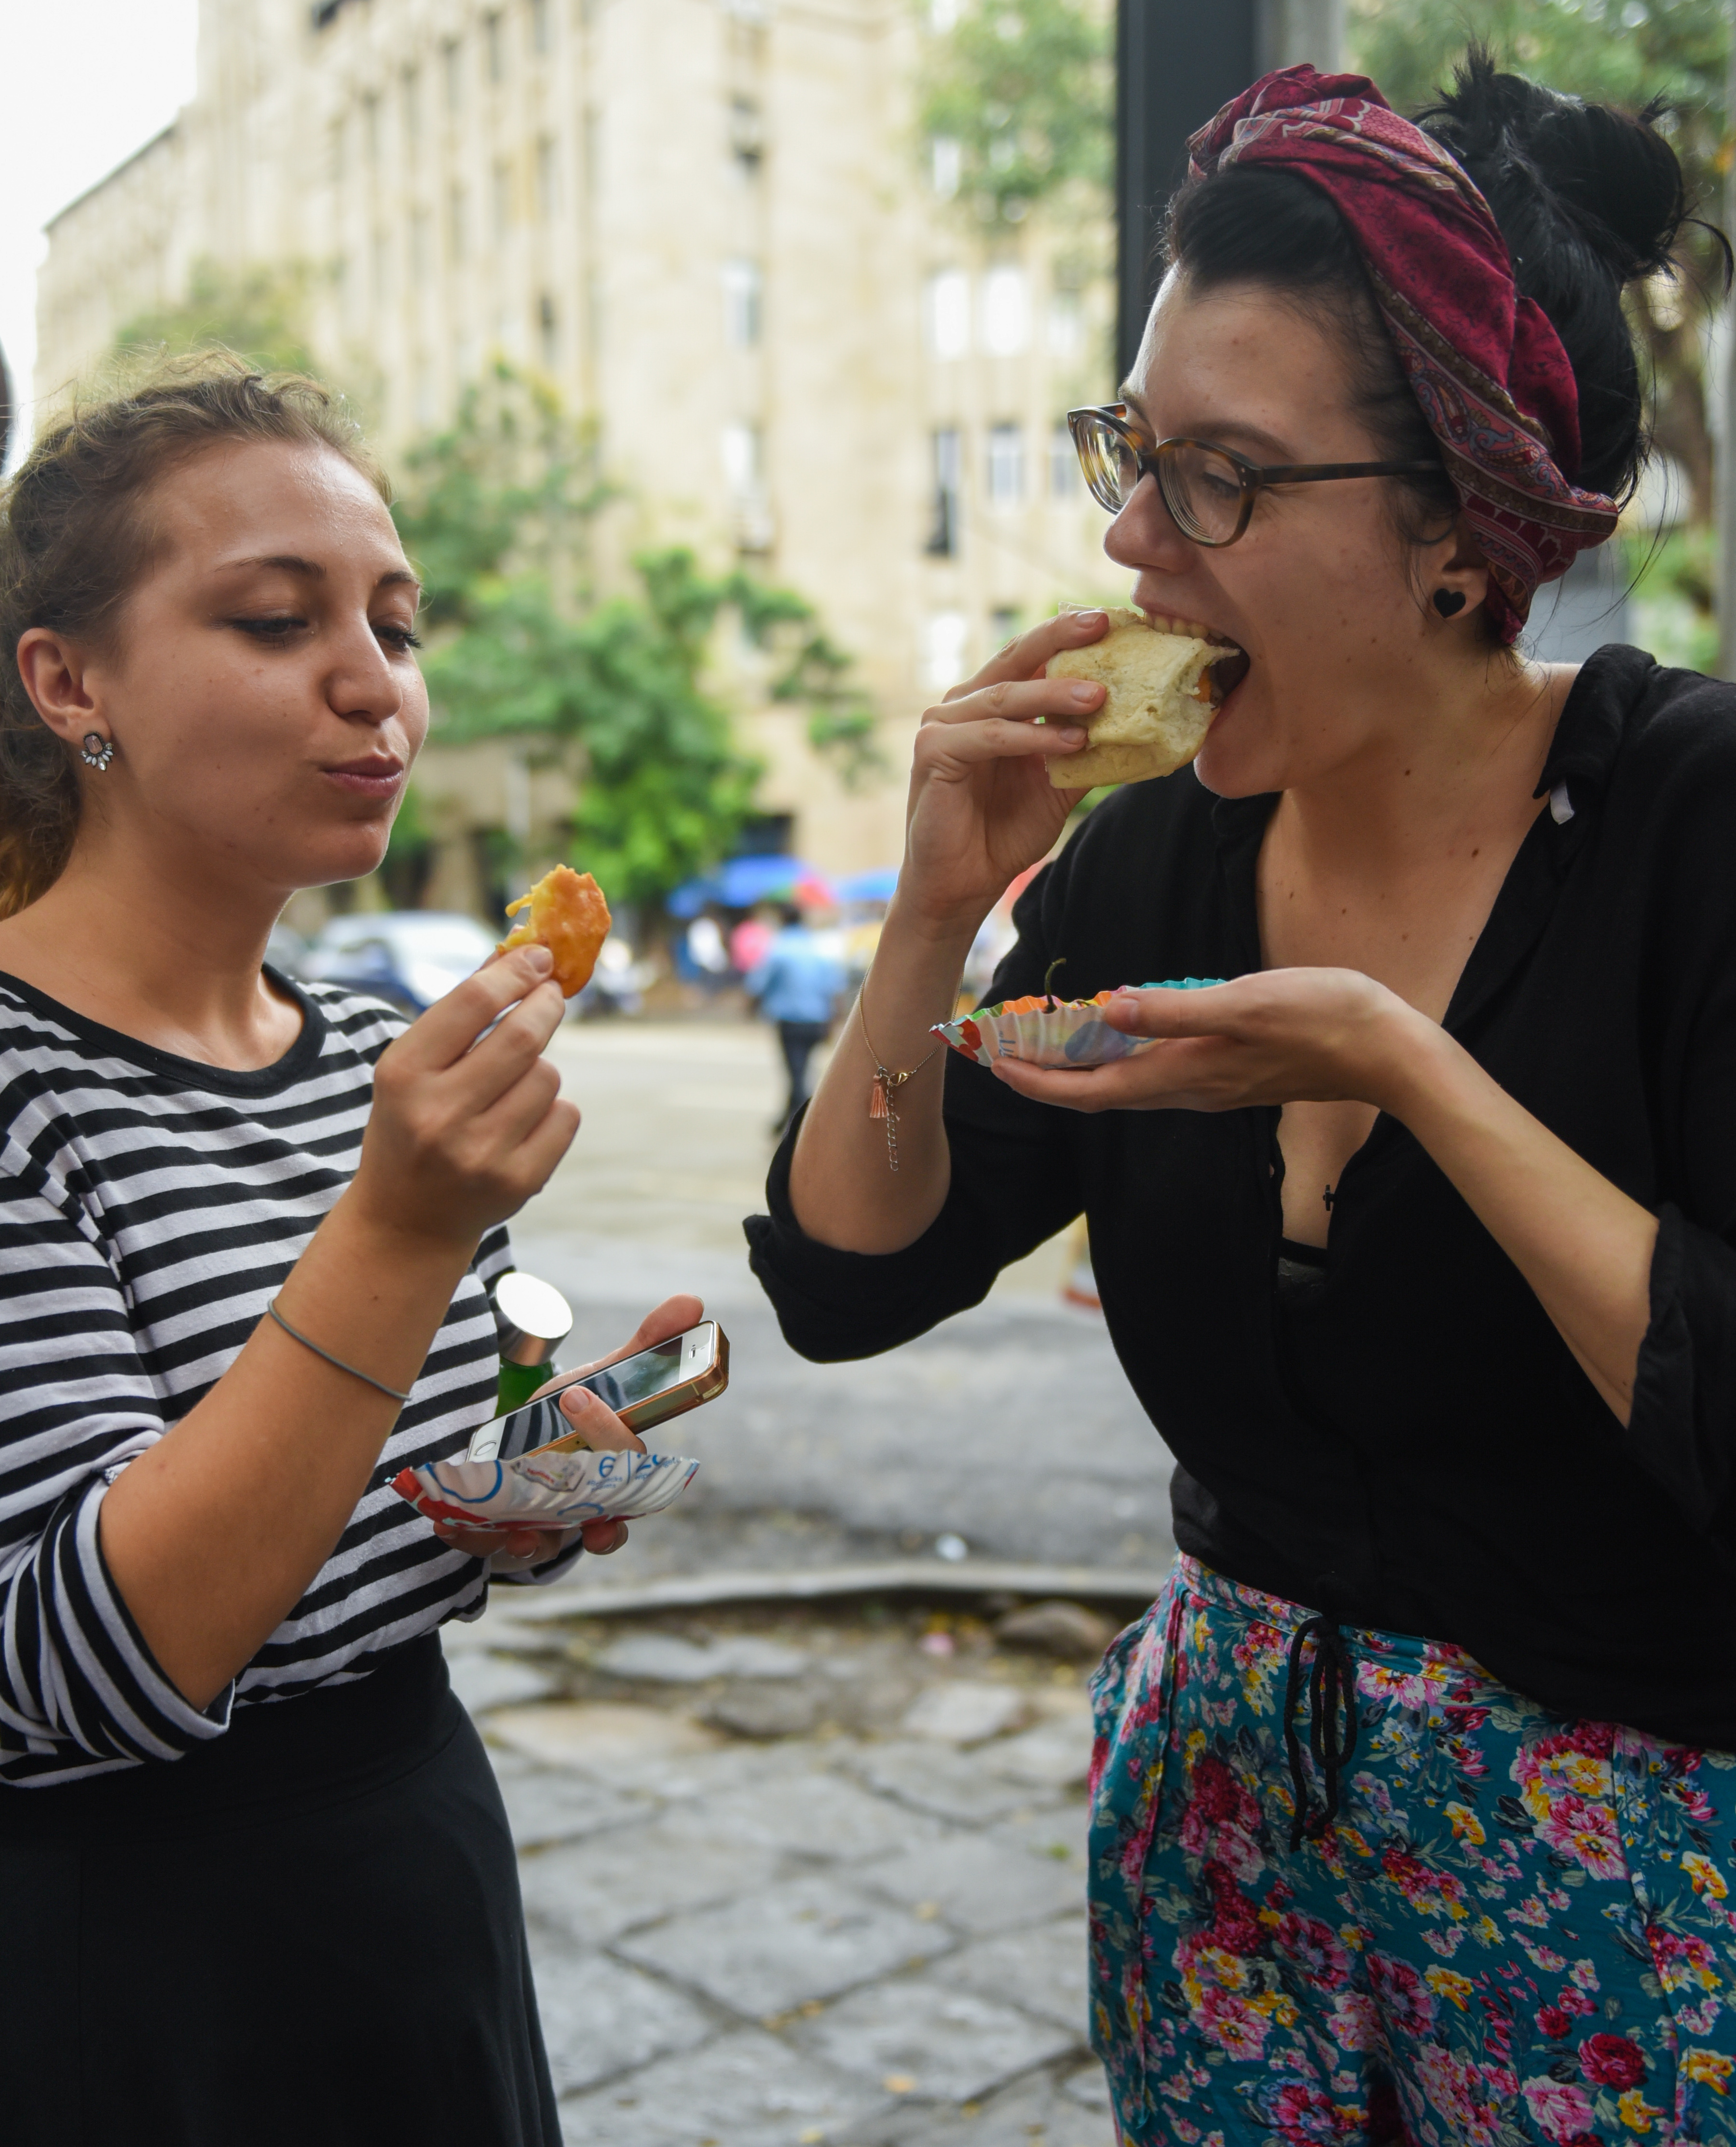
(1163, 687)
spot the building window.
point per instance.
(549, 331)
(741, 304)
(945, 638)
(495, 31)
(1064, 476)
(1006, 466)
(746, 137)
(943, 531)
(451, 66)
(1066, 324)
(548, 179)
(1006, 312)
(458, 236)
(744, 451)
(501, 197)
(948, 311)
(541, 26)
(946, 165)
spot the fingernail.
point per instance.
(1072, 733)
(1090, 617)
(540, 959)
(1084, 690)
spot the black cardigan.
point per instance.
(1415, 1447)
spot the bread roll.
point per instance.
(1161, 697)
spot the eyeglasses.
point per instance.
(1209, 490)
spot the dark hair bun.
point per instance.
(1589, 199)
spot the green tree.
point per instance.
(257, 311)
(1025, 88)
(496, 514)
(1624, 53)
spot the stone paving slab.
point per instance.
(980, 1884)
(1043, 1971)
(776, 1949)
(600, 2019)
(955, 1786)
(918, 2035)
(807, 1814)
(545, 1808)
(594, 1890)
(748, 2089)
(1060, 1832)
(1032, 2113)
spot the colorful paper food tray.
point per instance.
(547, 1491)
(1050, 1032)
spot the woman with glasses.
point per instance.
(1415, 1794)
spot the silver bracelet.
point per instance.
(367, 1378)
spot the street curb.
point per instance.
(913, 1576)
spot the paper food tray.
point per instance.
(547, 1491)
(1052, 1031)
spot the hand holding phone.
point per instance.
(648, 1387)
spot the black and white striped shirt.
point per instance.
(149, 1207)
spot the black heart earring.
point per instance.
(1449, 603)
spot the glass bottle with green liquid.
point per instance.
(534, 1320)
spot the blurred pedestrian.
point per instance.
(797, 984)
(707, 954)
(751, 941)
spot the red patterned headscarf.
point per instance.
(1485, 364)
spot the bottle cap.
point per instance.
(534, 1318)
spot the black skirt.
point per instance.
(308, 1931)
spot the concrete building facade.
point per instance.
(711, 224)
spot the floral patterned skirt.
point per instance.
(1494, 1925)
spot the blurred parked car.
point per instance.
(409, 958)
(617, 985)
(286, 951)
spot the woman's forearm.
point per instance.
(1581, 1244)
(213, 1534)
(842, 1186)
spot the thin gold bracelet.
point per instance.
(885, 1084)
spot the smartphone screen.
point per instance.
(635, 1380)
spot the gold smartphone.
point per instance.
(647, 1389)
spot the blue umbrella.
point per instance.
(876, 886)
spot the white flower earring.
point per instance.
(97, 751)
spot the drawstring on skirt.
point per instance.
(1331, 1692)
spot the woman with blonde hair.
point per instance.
(1416, 1788)
(258, 1882)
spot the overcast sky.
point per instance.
(88, 82)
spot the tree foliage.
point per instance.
(1624, 53)
(257, 311)
(497, 513)
(1025, 88)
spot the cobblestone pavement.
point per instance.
(806, 1877)
(821, 1881)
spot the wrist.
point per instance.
(389, 1244)
(947, 930)
(1412, 1066)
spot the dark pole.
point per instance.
(1176, 61)
(5, 410)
